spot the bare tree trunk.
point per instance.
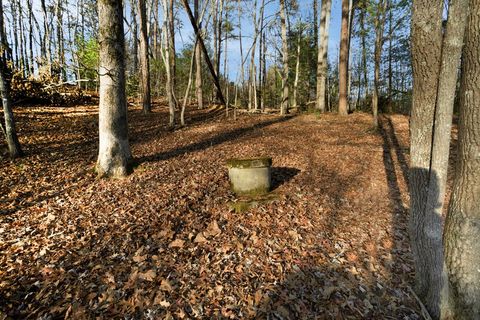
(189, 85)
(351, 15)
(297, 69)
(204, 49)
(46, 37)
(198, 61)
(462, 248)
(343, 63)
(168, 63)
(364, 50)
(390, 58)
(144, 58)
(15, 32)
(10, 131)
(379, 27)
(322, 63)
(252, 76)
(242, 64)
(23, 56)
(133, 18)
(173, 52)
(60, 45)
(435, 72)
(285, 97)
(114, 154)
(30, 35)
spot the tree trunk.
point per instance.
(198, 61)
(364, 50)
(297, 69)
(379, 27)
(285, 89)
(114, 154)
(343, 63)
(462, 248)
(30, 35)
(133, 16)
(60, 45)
(204, 50)
(173, 52)
(46, 37)
(10, 132)
(144, 58)
(322, 62)
(435, 67)
(252, 75)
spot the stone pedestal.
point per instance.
(250, 176)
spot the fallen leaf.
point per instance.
(177, 243)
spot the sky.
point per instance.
(271, 10)
(185, 34)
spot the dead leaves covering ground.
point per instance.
(164, 244)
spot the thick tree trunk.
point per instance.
(343, 63)
(144, 58)
(198, 61)
(114, 154)
(435, 67)
(426, 50)
(322, 62)
(285, 86)
(462, 248)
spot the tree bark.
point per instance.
(343, 63)
(379, 29)
(462, 248)
(285, 87)
(426, 45)
(144, 58)
(114, 154)
(435, 59)
(198, 61)
(204, 49)
(297, 69)
(133, 16)
(10, 131)
(322, 62)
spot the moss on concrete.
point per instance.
(249, 163)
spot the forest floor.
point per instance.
(166, 242)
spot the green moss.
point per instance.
(252, 193)
(249, 163)
(246, 203)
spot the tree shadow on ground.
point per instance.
(210, 142)
(281, 175)
(337, 289)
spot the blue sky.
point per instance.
(234, 61)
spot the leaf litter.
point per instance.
(164, 243)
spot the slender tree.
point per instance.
(380, 16)
(198, 60)
(343, 63)
(9, 131)
(322, 62)
(285, 87)
(114, 154)
(144, 58)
